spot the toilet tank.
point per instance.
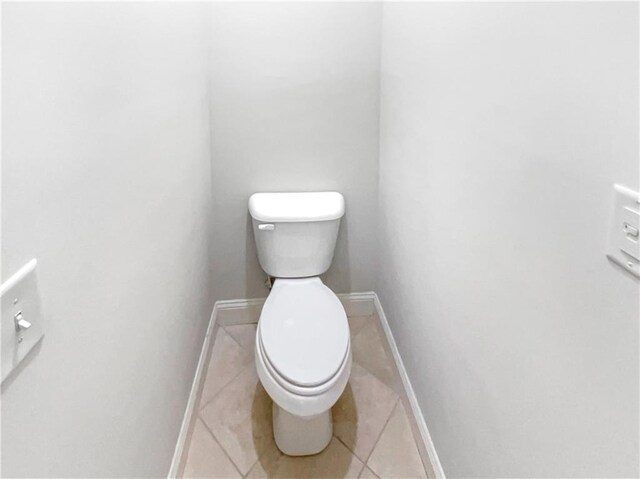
(296, 233)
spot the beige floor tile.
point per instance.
(335, 462)
(206, 458)
(369, 418)
(367, 474)
(362, 411)
(240, 419)
(244, 334)
(228, 358)
(396, 454)
(369, 352)
(357, 322)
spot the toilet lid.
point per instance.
(304, 331)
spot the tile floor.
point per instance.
(232, 434)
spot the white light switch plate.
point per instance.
(624, 236)
(20, 295)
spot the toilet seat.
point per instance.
(303, 335)
(296, 389)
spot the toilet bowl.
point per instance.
(303, 358)
(303, 348)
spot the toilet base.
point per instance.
(301, 436)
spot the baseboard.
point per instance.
(247, 311)
(194, 394)
(358, 304)
(239, 311)
(411, 397)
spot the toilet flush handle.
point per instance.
(266, 227)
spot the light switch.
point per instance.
(22, 319)
(624, 237)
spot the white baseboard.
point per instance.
(411, 396)
(358, 304)
(193, 395)
(247, 311)
(239, 311)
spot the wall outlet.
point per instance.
(624, 232)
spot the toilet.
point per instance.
(303, 348)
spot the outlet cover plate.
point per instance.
(624, 242)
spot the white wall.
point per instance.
(106, 180)
(503, 129)
(294, 108)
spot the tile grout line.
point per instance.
(218, 393)
(365, 462)
(415, 441)
(395, 404)
(398, 403)
(231, 335)
(225, 385)
(381, 433)
(402, 395)
(221, 446)
(368, 316)
(393, 387)
(264, 453)
(397, 398)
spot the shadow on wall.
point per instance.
(338, 277)
(625, 271)
(254, 287)
(31, 355)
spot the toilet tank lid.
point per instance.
(296, 207)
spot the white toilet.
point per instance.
(303, 350)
